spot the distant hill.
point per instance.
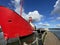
(54, 28)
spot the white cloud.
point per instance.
(55, 19)
(58, 25)
(58, 18)
(56, 9)
(35, 14)
(16, 4)
(40, 23)
(44, 24)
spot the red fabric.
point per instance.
(13, 25)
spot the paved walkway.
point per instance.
(51, 39)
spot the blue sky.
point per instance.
(44, 8)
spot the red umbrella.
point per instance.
(13, 25)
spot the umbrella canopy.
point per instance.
(13, 25)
